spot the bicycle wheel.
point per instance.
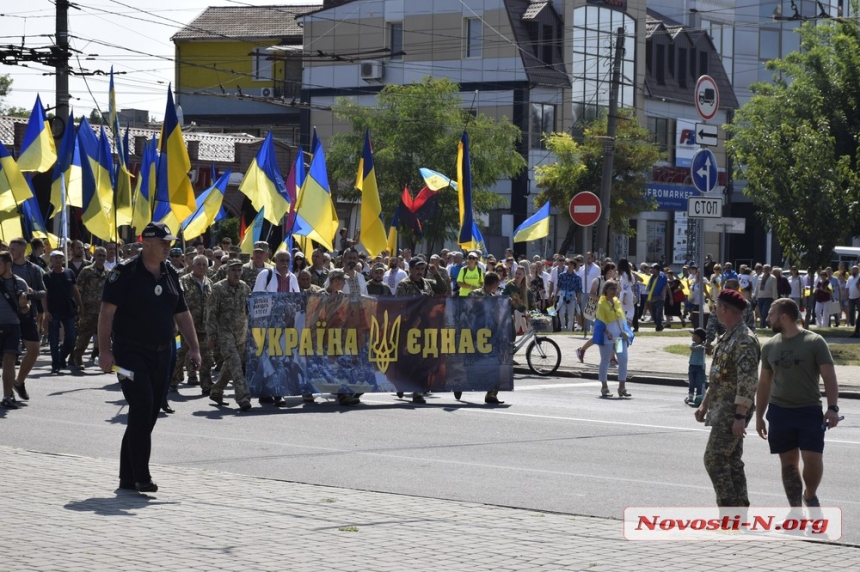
(543, 356)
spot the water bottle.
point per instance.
(619, 346)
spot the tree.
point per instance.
(96, 118)
(420, 125)
(579, 167)
(795, 142)
(5, 88)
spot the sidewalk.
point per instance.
(649, 362)
(70, 518)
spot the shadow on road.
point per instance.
(123, 504)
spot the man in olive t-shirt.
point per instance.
(791, 363)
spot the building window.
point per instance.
(474, 34)
(682, 67)
(660, 64)
(542, 123)
(594, 35)
(395, 40)
(703, 62)
(671, 61)
(547, 44)
(659, 128)
(262, 65)
(655, 237)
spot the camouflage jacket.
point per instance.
(318, 279)
(91, 282)
(407, 287)
(249, 273)
(197, 298)
(228, 310)
(734, 372)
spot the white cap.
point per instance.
(57, 253)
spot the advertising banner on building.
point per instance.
(685, 142)
(318, 343)
(671, 196)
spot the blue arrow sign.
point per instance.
(703, 170)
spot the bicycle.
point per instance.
(543, 355)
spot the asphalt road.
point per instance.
(555, 445)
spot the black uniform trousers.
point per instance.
(144, 394)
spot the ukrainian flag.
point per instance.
(14, 188)
(264, 184)
(534, 227)
(10, 225)
(372, 228)
(466, 238)
(66, 178)
(315, 206)
(38, 151)
(392, 233)
(34, 224)
(295, 180)
(173, 185)
(208, 209)
(145, 188)
(435, 180)
(252, 234)
(98, 193)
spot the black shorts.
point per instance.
(29, 329)
(795, 428)
(10, 339)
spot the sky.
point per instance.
(122, 25)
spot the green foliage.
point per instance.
(5, 88)
(96, 118)
(796, 143)
(419, 125)
(579, 167)
(228, 227)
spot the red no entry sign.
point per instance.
(585, 209)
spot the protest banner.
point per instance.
(317, 343)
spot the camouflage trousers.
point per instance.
(233, 352)
(205, 369)
(86, 326)
(724, 465)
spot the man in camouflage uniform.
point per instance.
(415, 284)
(227, 330)
(728, 404)
(318, 272)
(198, 293)
(91, 282)
(259, 262)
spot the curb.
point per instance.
(645, 379)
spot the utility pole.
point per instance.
(62, 84)
(609, 147)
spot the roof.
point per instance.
(234, 22)
(670, 88)
(213, 146)
(522, 14)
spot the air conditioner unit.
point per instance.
(371, 70)
(267, 92)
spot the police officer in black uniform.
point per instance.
(141, 302)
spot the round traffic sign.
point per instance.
(585, 208)
(707, 97)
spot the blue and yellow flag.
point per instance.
(478, 242)
(534, 227)
(173, 185)
(121, 176)
(14, 188)
(264, 184)
(466, 237)
(252, 234)
(66, 178)
(208, 209)
(372, 227)
(315, 206)
(98, 194)
(144, 191)
(392, 233)
(33, 223)
(38, 151)
(435, 180)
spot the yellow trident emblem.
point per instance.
(383, 343)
